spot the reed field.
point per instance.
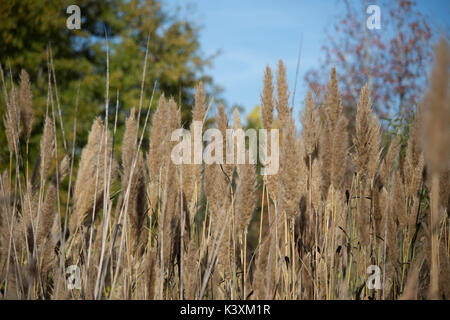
(88, 222)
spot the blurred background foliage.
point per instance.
(29, 28)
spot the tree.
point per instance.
(391, 60)
(175, 61)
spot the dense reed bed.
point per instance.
(140, 227)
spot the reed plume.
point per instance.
(267, 105)
(47, 148)
(436, 139)
(245, 195)
(333, 105)
(389, 160)
(282, 102)
(290, 170)
(414, 160)
(192, 172)
(26, 111)
(367, 138)
(90, 181)
(436, 112)
(134, 180)
(223, 125)
(333, 138)
(158, 149)
(311, 126)
(267, 100)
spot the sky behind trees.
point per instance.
(253, 34)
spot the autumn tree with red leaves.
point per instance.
(391, 60)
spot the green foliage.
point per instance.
(28, 28)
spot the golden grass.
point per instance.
(340, 203)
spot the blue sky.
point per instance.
(251, 34)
